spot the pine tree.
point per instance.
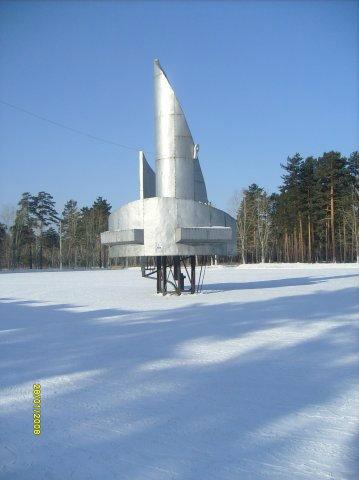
(258, 223)
(279, 237)
(291, 187)
(307, 190)
(42, 207)
(239, 209)
(101, 210)
(3, 235)
(332, 174)
(51, 245)
(70, 232)
(352, 216)
(22, 231)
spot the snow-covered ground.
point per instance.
(256, 378)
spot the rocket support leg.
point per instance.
(159, 273)
(164, 275)
(193, 274)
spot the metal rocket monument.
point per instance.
(172, 218)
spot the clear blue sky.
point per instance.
(258, 81)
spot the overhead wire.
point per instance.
(66, 127)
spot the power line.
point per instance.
(61, 125)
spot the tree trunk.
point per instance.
(243, 255)
(41, 228)
(301, 241)
(30, 256)
(332, 220)
(295, 246)
(41, 251)
(309, 240)
(286, 254)
(356, 233)
(326, 240)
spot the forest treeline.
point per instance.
(32, 239)
(314, 217)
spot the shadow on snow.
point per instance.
(161, 408)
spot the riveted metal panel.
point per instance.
(200, 191)
(184, 172)
(217, 217)
(127, 217)
(165, 180)
(192, 213)
(197, 235)
(161, 219)
(122, 237)
(120, 251)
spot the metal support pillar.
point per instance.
(177, 274)
(181, 280)
(193, 273)
(164, 275)
(159, 273)
(176, 267)
(168, 270)
(143, 265)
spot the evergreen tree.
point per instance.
(3, 234)
(255, 212)
(352, 214)
(101, 211)
(23, 232)
(42, 207)
(308, 198)
(332, 178)
(242, 224)
(51, 246)
(70, 231)
(291, 189)
(315, 215)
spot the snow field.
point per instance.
(255, 378)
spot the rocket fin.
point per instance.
(147, 178)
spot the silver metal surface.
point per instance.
(172, 217)
(178, 172)
(122, 237)
(199, 235)
(147, 178)
(200, 191)
(160, 219)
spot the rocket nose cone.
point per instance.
(157, 66)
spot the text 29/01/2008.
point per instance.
(36, 393)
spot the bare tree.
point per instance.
(7, 218)
(238, 208)
(7, 214)
(263, 223)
